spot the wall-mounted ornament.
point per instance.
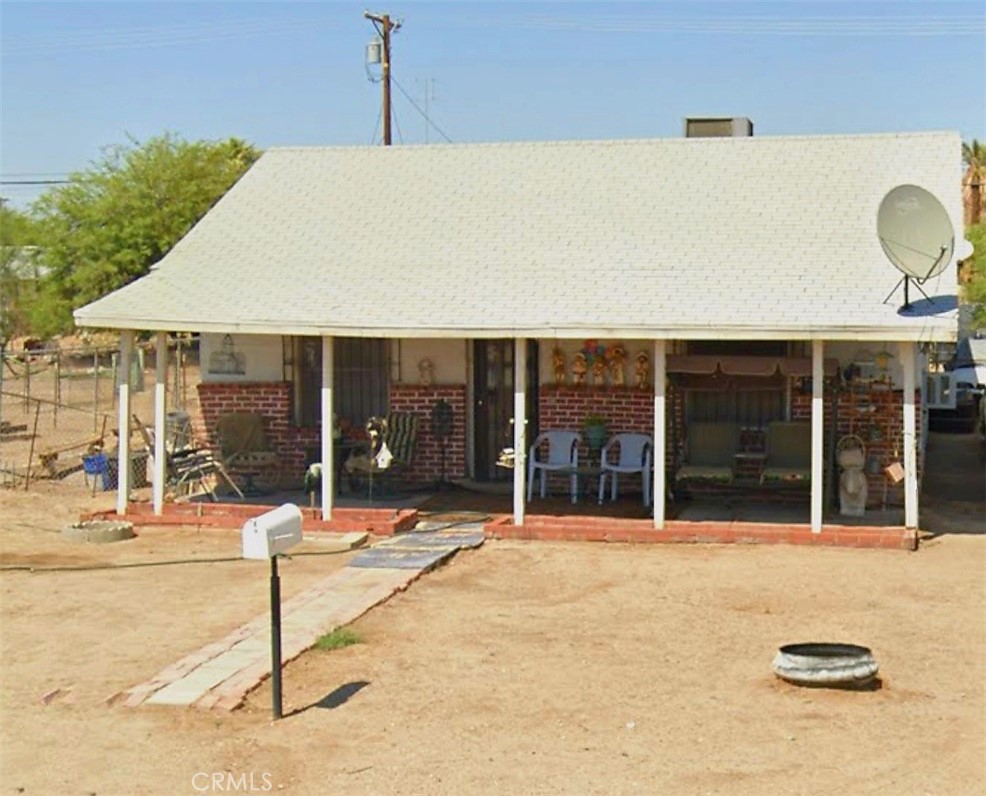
(226, 360)
(642, 370)
(426, 372)
(617, 359)
(558, 363)
(579, 369)
(599, 372)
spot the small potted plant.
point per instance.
(594, 426)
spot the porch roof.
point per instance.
(761, 237)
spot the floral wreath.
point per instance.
(592, 350)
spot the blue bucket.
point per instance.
(97, 464)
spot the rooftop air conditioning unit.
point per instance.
(705, 127)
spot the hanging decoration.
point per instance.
(579, 369)
(226, 360)
(618, 356)
(558, 363)
(642, 370)
(603, 362)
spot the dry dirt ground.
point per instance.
(520, 668)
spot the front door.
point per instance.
(493, 391)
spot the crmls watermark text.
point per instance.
(228, 782)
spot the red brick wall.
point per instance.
(273, 401)
(427, 465)
(297, 446)
(628, 409)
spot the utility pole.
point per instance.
(385, 25)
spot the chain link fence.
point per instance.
(58, 406)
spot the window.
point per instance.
(361, 368)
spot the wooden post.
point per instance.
(160, 399)
(817, 433)
(3, 363)
(123, 449)
(115, 373)
(328, 456)
(30, 456)
(659, 491)
(175, 394)
(181, 395)
(520, 427)
(27, 382)
(95, 389)
(907, 361)
(57, 389)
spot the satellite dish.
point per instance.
(916, 234)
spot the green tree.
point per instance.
(18, 271)
(112, 222)
(974, 291)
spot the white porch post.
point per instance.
(660, 432)
(160, 396)
(520, 427)
(817, 435)
(907, 360)
(123, 449)
(328, 458)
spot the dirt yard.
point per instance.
(519, 668)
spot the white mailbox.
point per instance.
(272, 532)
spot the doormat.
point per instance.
(459, 539)
(396, 558)
(417, 550)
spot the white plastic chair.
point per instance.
(563, 455)
(636, 451)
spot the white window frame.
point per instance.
(940, 390)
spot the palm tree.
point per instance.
(974, 158)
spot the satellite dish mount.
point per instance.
(907, 279)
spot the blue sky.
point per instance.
(79, 76)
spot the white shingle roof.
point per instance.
(740, 237)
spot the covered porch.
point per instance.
(740, 514)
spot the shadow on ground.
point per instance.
(953, 491)
(340, 696)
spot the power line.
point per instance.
(34, 182)
(94, 40)
(423, 114)
(400, 134)
(27, 174)
(902, 25)
(376, 126)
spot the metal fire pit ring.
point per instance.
(826, 664)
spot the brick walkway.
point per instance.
(220, 675)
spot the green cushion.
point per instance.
(402, 436)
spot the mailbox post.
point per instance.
(267, 536)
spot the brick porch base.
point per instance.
(603, 529)
(379, 522)
(386, 522)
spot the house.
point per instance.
(327, 275)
